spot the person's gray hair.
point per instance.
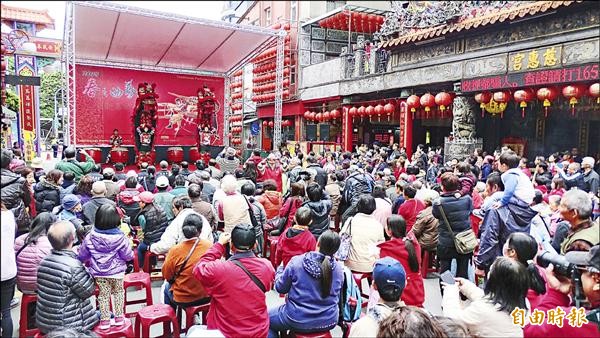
(428, 196)
(575, 165)
(228, 184)
(61, 235)
(578, 200)
(67, 332)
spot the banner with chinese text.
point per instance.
(106, 99)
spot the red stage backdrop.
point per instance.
(106, 96)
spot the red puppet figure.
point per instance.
(206, 111)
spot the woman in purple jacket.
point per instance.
(313, 282)
(106, 250)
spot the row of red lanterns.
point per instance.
(235, 118)
(546, 95)
(235, 140)
(270, 97)
(269, 86)
(270, 66)
(270, 76)
(322, 117)
(235, 106)
(236, 84)
(370, 110)
(238, 72)
(428, 102)
(272, 52)
(358, 22)
(271, 124)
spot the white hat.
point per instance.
(588, 160)
(131, 173)
(162, 181)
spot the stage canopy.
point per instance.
(112, 34)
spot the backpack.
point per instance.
(350, 303)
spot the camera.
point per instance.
(560, 263)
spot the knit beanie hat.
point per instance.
(70, 201)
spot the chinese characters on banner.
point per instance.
(534, 78)
(546, 57)
(27, 107)
(28, 112)
(28, 145)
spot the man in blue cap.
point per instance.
(389, 279)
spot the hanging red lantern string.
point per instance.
(594, 91)
(370, 111)
(413, 102)
(389, 109)
(361, 112)
(502, 98)
(379, 111)
(523, 96)
(573, 93)
(428, 102)
(443, 100)
(353, 111)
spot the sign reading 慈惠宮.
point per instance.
(534, 59)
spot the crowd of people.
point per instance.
(529, 232)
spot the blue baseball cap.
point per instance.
(389, 273)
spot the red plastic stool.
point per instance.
(358, 277)
(190, 312)
(426, 258)
(125, 330)
(157, 313)
(153, 269)
(38, 335)
(24, 330)
(325, 334)
(139, 280)
(345, 326)
(273, 249)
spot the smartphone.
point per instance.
(447, 277)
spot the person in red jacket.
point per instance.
(296, 240)
(411, 207)
(406, 250)
(270, 169)
(557, 298)
(290, 206)
(238, 305)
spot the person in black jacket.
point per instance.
(15, 193)
(64, 285)
(457, 211)
(47, 192)
(152, 219)
(320, 173)
(320, 205)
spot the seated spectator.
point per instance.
(411, 206)
(95, 174)
(313, 282)
(590, 176)
(61, 270)
(453, 328)
(233, 208)
(576, 208)
(409, 322)
(290, 206)
(320, 205)
(173, 234)
(185, 171)
(47, 192)
(200, 206)
(98, 199)
(366, 233)
(296, 240)
(163, 197)
(400, 184)
(557, 187)
(389, 279)
(164, 170)
(238, 304)
(425, 229)
(182, 288)
(335, 194)
(125, 198)
(573, 176)
(149, 180)
(466, 178)
(271, 199)
(558, 298)
(71, 205)
(407, 251)
(180, 188)
(383, 205)
(488, 313)
(555, 218)
(84, 189)
(248, 190)
(152, 220)
(540, 224)
(106, 251)
(119, 174)
(112, 189)
(69, 183)
(71, 333)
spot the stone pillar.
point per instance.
(346, 129)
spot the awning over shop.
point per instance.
(289, 109)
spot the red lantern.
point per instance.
(271, 124)
(413, 102)
(501, 97)
(353, 111)
(595, 91)
(523, 96)
(443, 100)
(427, 101)
(326, 116)
(573, 93)
(319, 117)
(265, 123)
(389, 109)
(335, 114)
(307, 115)
(370, 110)
(361, 111)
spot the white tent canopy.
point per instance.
(112, 34)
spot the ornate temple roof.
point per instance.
(39, 17)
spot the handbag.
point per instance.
(22, 217)
(465, 241)
(279, 222)
(345, 243)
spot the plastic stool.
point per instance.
(39, 335)
(125, 330)
(325, 334)
(24, 330)
(358, 277)
(345, 326)
(273, 250)
(427, 256)
(152, 269)
(190, 312)
(157, 313)
(139, 280)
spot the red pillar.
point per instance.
(406, 126)
(347, 129)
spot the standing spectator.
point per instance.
(466, 178)
(383, 208)
(576, 208)
(408, 252)
(164, 198)
(573, 176)
(112, 189)
(69, 183)
(233, 208)
(200, 206)
(238, 304)
(312, 282)
(487, 167)
(125, 198)
(15, 194)
(98, 199)
(426, 226)
(173, 234)
(61, 270)
(457, 212)
(212, 169)
(179, 189)
(38, 168)
(335, 193)
(27, 174)
(320, 207)
(185, 169)
(227, 161)
(153, 221)
(590, 176)
(293, 170)
(47, 192)
(296, 240)
(250, 171)
(411, 206)
(107, 250)
(95, 173)
(209, 185)
(270, 169)
(320, 174)
(70, 207)
(357, 183)
(54, 145)
(164, 169)
(260, 215)
(290, 206)
(366, 232)
(9, 265)
(488, 314)
(255, 157)
(241, 179)
(174, 174)
(271, 199)
(70, 164)
(185, 290)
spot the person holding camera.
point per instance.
(560, 288)
(70, 163)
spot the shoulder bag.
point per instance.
(255, 279)
(251, 213)
(465, 241)
(279, 222)
(345, 243)
(187, 258)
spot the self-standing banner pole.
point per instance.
(278, 91)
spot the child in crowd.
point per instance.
(297, 240)
(516, 183)
(106, 250)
